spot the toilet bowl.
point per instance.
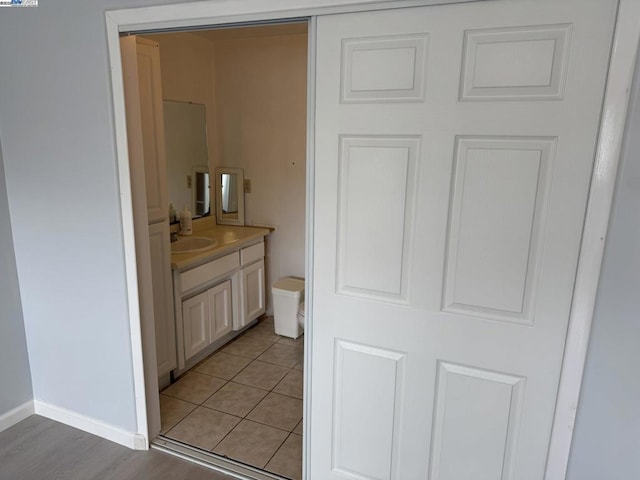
(301, 315)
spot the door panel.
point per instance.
(376, 181)
(486, 450)
(363, 373)
(221, 315)
(499, 185)
(253, 301)
(196, 318)
(454, 148)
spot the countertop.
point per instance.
(229, 239)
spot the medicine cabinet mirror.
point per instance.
(229, 196)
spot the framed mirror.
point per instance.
(188, 179)
(229, 196)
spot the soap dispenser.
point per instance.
(186, 226)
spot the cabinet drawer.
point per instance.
(252, 253)
(209, 271)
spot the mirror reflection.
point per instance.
(187, 157)
(230, 193)
(229, 196)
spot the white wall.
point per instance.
(260, 91)
(606, 442)
(15, 389)
(56, 118)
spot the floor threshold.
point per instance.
(211, 460)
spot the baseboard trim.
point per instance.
(90, 425)
(15, 415)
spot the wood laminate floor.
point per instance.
(41, 449)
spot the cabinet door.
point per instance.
(164, 320)
(253, 304)
(152, 123)
(220, 306)
(196, 321)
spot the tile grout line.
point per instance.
(277, 450)
(289, 432)
(289, 370)
(236, 416)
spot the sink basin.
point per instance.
(192, 244)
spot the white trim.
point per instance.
(90, 425)
(15, 415)
(612, 125)
(216, 12)
(128, 233)
(309, 239)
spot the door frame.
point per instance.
(608, 149)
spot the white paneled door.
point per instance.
(454, 149)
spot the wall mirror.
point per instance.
(187, 157)
(229, 196)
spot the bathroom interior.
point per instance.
(233, 122)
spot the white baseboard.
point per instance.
(10, 418)
(91, 425)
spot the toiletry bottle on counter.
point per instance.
(172, 213)
(185, 222)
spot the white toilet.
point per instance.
(301, 315)
(288, 295)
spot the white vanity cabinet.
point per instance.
(216, 299)
(206, 317)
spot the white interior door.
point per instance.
(454, 148)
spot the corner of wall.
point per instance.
(16, 401)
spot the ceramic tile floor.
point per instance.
(243, 402)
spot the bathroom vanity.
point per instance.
(218, 288)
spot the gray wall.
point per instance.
(606, 442)
(59, 156)
(16, 377)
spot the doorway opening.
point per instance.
(590, 256)
(216, 111)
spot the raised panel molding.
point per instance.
(497, 213)
(475, 423)
(367, 406)
(384, 69)
(375, 216)
(521, 63)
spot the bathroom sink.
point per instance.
(192, 244)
